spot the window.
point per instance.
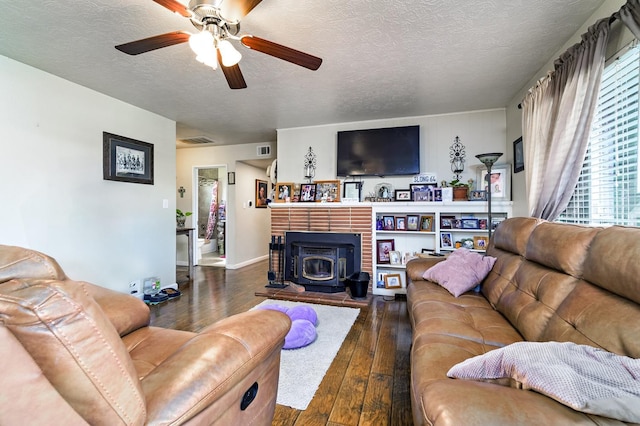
(608, 190)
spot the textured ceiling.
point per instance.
(382, 59)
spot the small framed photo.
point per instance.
(447, 222)
(126, 160)
(261, 194)
(480, 242)
(307, 192)
(401, 223)
(388, 223)
(395, 258)
(328, 191)
(446, 241)
(392, 281)
(478, 195)
(402, 195)
(384, 249)
(352, 191)
(296, 193)
(284, 192)
(426, 223)
(413, 222)
(422, 191)
(469, 224)
(437, 194)
(499, 182)
(518, 155)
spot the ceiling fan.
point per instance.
(218, 21)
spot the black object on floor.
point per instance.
(358, 284)
(154, 299)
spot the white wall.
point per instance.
(479, 131)
(247, 228)
(54, 198)
(514, 115)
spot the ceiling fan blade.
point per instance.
(282, 52)
(234, 10)
(152, 43)
(175, 6)
(233, 75)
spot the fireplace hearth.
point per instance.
(322, 261)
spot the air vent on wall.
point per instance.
(197, 140)
(264, 151)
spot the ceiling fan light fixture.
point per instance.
(208, 58)
(201, 42)
(230, 56)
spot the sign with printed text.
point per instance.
(425, 178)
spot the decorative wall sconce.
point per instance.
(457, 156)
(181, 191)
(310, 165)
(488, 160)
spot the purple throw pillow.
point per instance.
(461, 271)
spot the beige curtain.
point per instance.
(557, 115)
(630, 15)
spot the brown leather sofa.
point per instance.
(551, 282)
(75, 353)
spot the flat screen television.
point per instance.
(393, 151)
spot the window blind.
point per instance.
(608, 189)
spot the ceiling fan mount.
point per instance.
(218, 21)
(208, 12)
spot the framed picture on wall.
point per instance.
(126, 160)
(518, 155)
(261, 193)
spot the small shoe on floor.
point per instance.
(154, 299)
(171, 293)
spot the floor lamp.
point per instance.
(488, 160)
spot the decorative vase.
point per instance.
(460, 193)
(180, 221)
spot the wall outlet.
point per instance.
(135, 288)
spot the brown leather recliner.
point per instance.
(76, 353)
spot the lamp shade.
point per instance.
(230, 56)
(201, 42)
(488, 159)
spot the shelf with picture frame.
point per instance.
(427, 238)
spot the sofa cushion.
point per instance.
(18, 262)
(461, 271)
(582, 377)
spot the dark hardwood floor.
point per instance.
(368, 381)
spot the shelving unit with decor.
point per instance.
(417, 223)
(428, 236)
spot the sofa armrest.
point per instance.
(127, 313)
(212, 364)
(417, 267)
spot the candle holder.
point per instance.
(310, 165)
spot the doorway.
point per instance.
(210, 215)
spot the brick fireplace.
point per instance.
(326, 218)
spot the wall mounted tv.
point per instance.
(393, 151)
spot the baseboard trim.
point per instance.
(247, 262)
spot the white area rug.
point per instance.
(302, 370)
